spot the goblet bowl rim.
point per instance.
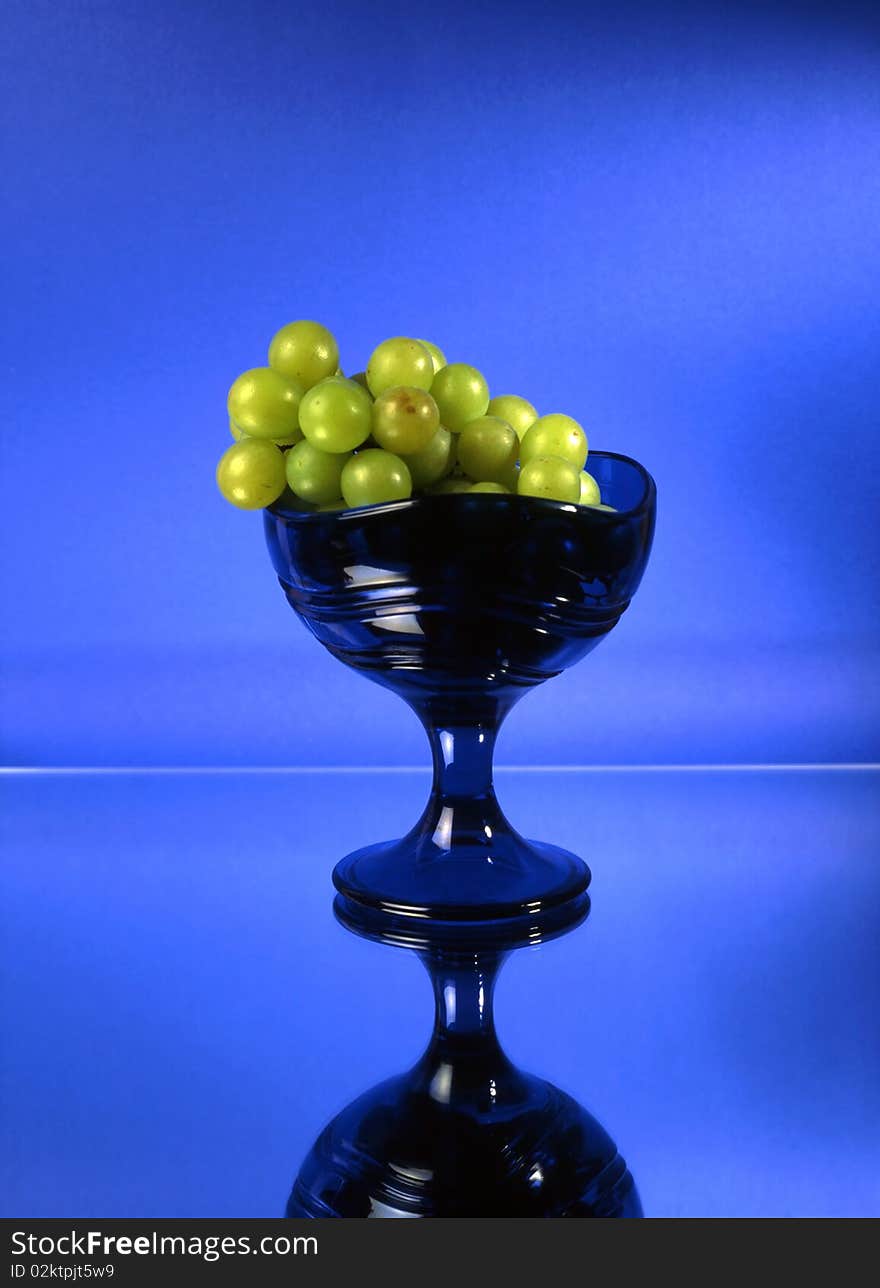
(541, 504)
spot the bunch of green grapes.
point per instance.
(410, 423)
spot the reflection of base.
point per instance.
(403, 1150)
(464, 1133)
(431, 935)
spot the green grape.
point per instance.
(517, 411)
(235, 431)
(336, 415)
(434, 461)
(590, 494)
(265, 404)
(490, 487)
(305, 351)
(399, 361)
(438, 357)
(550, 477)
(372, 477)
(555, 435)
(360, 378)
(455, 483)
(315, 475)
(405, 420)
(461, 393)
(250, 473)
(487, 449)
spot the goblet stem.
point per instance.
(462, 862)
(464, 1059)
(464, 989)
(462, 808)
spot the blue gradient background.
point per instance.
(662, 219)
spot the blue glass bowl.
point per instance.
(462, 603)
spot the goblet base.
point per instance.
(479, 891)
(405, 1150)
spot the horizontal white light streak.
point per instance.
(720, 768)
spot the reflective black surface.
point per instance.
(181, 1015)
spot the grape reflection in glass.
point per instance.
(461, 604)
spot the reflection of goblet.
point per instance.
(460, 604)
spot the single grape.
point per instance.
(336, 415)
(461, 393)
(487, 449)
(550, 477)
(373, 476)
(250, 473)
(434, 461)
(315, 475)
(590, 494)
(455, 483)
(438, 357)
(405, 420)
(490, 487)
(555, 435)
(399, 361)
(235, 431)
(265, 404)
(517, 411)
(305, 351)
